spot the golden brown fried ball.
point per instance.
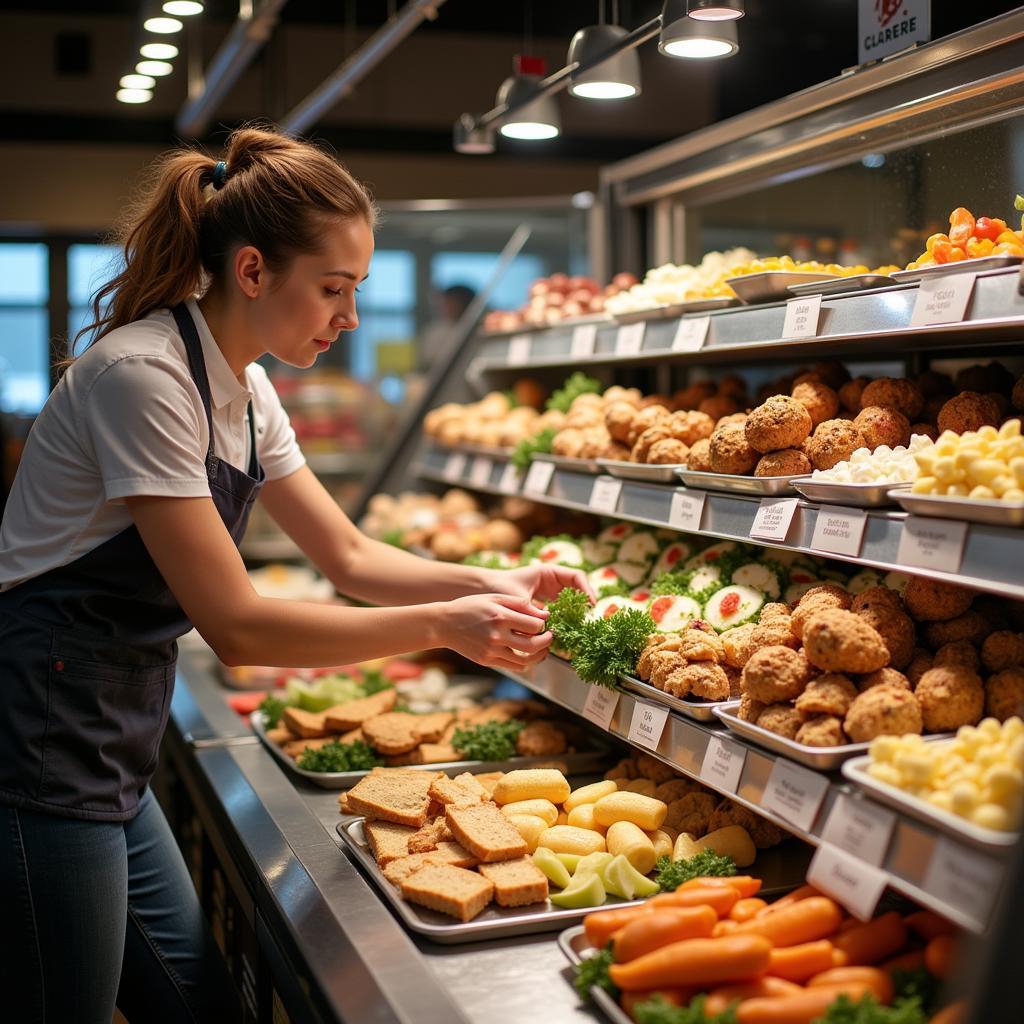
(883, 711)
(730, 384)
(739, 644)
(541, 739)
(585, 418)
(595, 441)
(775, 632)
(895, 628)
(934, 601)
(658, 772)
(883, 677)
(699, 457)
(840, 641)
(968, 411)
(749, 708)
(664, 400)
(822, 731)
(850, 392)
(958, 652)
(662, 665)
(774, 674)
(807, 377)
(880, 598)
(735, 677)
(921, 661)
(774, 610)
(736, 417)
(972, 625)
(647, 439)
(896, 393)
(834, 441)
(984, 377)
(690, 426)
(718, 406)
(787, 462)
(702, 679)
(668, 452)
(831, 372)
(931, 383)
(1003, 649)
(618, 418)
(829, 694)
(652, 415)
(764, 833)
(1004, 694)
(617, 393)
(817, 599)
(567, 442)
(950, 697)
(780, 422)
(730, 452)
(617, 451)
(693, 809)
(882, 425)
(675, 788)
(782, 719)
(820, 401)
(696, 644)
(692, 395)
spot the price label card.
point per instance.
(630, 339)
(519, 350)
(480, 472)
(538, 479)
(964, 879)
(861, 828)
(794, 793)
(511, 478)
(802, 317)
(600, 706)
(455, 466)
(584, 338)
(722, 764)
(687, 510)
(647, 725)
(847, 880)
(773, 519)
(605, 494)
(839, 531)
(691, 334)
(942, 300)
(932, 543)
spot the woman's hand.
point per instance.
(496, 630)
(539, 582)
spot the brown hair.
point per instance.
(271, 191)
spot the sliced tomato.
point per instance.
(730, 603)
(401, 668)
(245, 704)
(660, 608)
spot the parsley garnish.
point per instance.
(672, 873)
(491, 741)
(338, 757)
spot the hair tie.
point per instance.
(220, 173)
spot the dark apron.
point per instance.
(87, 657)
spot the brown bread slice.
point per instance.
(394, 732)
(470, 781)
(453, 793)
(516, 882)
(489, 780)
(295, 747)
(430, 728)
(449, 890)
(387, 841)
(485, 832)
(280, 735)
(447, 852)
(353, 713)
(307, 724)
(427, 838)
(403, 798)
(438, 753)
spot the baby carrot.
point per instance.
(745, 885)
(800, 1008)
(876, 979)
(798, 963)
(813, 918)
(939, 956)
(695, 962)
(600, 927)
(721, 897)
(874, 941)
(928, 925)
(747, 908)
(768, 987)
(660, 928)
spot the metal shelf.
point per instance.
(906, 860)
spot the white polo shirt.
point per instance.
(127, 419)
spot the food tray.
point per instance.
(576, 764)
(651, 474)
(759, 486)
(772, 285)
(491, 451)
(575, 948)
(975, 510)
(565, 462)
(951, 824)
(676, 309)
(826, 492)
(493, 922)
(700, 710)
(584, 318)
(853, 283)
(976, 265)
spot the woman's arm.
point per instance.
(196, 556)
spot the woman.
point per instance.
(120, 534)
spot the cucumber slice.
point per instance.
(715, 554)
(630, 572)
(561, 552)
(673, 614)
(616, 533)
(671, 558)
(596, 552)
(606, 576)
(606, 607)
(641, 547)
(864, 580)
(732, 606)
(759, 576)
(704, 581)
(641, 596)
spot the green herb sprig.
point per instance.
(578, 384)
(672, 873)
(272, 708)
(491, 741)
(339, 757)
(659, 1011)
(868, 1010)
(592, 972)
(608, 648)
(523, 453)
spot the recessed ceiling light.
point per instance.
(162, 26)
(155, 68)
(137, 82)
(134, 95)
(183, 8)
(158, 51)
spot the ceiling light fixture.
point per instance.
(682, 36)
(613, 79)
(705, 10)
(154, 68)
(472, 140)
(537, 118)
(183, 8)
(158, 51)
(134, 95)
(162, 26)
(137, 82)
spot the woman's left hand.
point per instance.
(539, 582)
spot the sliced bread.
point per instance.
(403, 798)
(453, 793)
(485, 832)
(388, 841)
(353, 713)
(307, 724)
(449, 890)
(516, 882)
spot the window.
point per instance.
(89, 267)
(475, 269)
(24, 326)
(387, 305)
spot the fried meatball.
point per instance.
(883, 711)
(567, 442)
(882, 425)
(817, 599)
(541, 739)
(958, 652)
(880, 598)
(831, 372)
(1004, 694)
(780, 422)
(968, 411)
(896, 393)
(883, 677)
(730, 452)
(775, 674)
(984, 377)
(668, 452)
(735, 677)
(733, 417)
(617, 451)
(675, 788)
(646, 440)
(764, 833)
(807, 377)
(829, 694)
(834, 441)
(618, 418)
(775, 632)
(931, 383)
(663, 664)
(774, 610)
(595, 441)
(658, 772)
(699, 457)
(664, 400)
(787, 462)
(1003, 649)
(739, 644)
(920, 662)
(895, 628)
(697, 644)
(783, 719)
(850, 392)
(730, 384)
(749, 708)
(643, 419)
(822, 731)
(718, 406)
(840, 641)
(693, 810)
(933, 601)
(820, 401)
(972, 625)
(692, 395)
(950, 696)
(690, 426)
(703, 679)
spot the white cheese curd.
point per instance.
(883, 465)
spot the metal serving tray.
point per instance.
(838, 285)
(676, 309)
(575, 948)
(564, 462)
(975, 510)
(976, 265)
(490, 450)
(951, 824)
(651, 474)
(576, 764)
(701, 711)
(759, 486)
(772, 285)
(493, 922)
(826, 492)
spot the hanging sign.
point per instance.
(888, 26)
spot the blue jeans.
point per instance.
(95, 913)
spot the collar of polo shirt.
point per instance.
(224, 385)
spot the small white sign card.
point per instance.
(932, 543)
(802, 317)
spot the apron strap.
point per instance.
(197, 364)
(254, 465)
